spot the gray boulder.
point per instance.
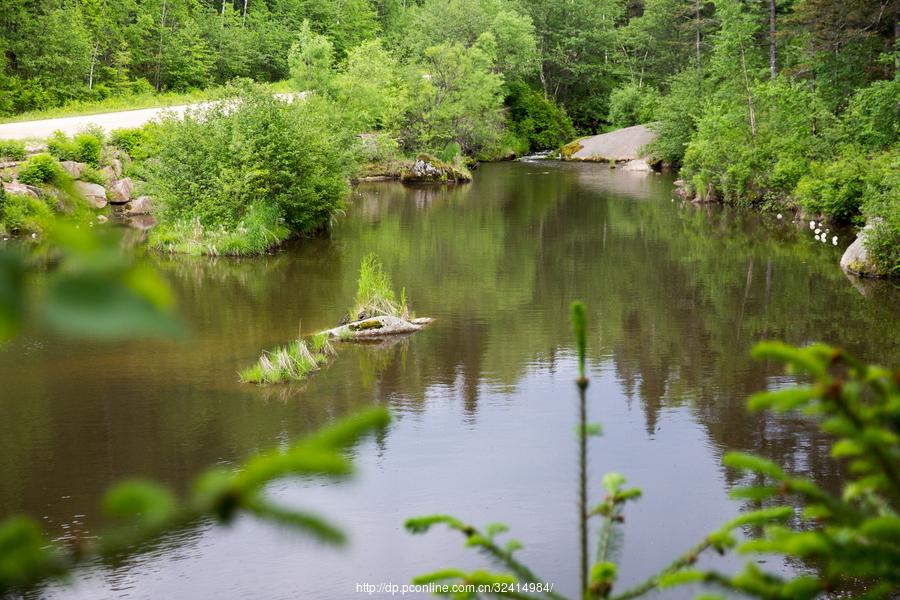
(856, 260)
(95, 194)
(20, 188)
(120, 191)
(75, 169)
(142, 205)
(638, 165)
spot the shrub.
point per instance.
(86, 147)
(23, 213)
(632, 105)
(536, 119)
(12, 150)
(258, 168)
(834, 189)
(881, 208)
(40, 168)
(677, 114)
(131, 141)
(92, 175)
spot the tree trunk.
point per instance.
(93, 64)
(749, 95)
(244, 18)
(697, 32)
(773, 52)
(162, 28)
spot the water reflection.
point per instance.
(676, 295)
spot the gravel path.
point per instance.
(108, 121)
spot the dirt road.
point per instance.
(108, 121)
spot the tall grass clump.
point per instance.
(290, 363)
(12, 150)
(374, 293)
(241, 176)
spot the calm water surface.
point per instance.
(483, 400)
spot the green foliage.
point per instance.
(134, 141)
(834, 189)
(539, 121)
(293, 362)
(145, 510)
(449, 153)
(21, 213)
(239, 178)
(85, 147)
(455, 97)
(374, 293)
(677, 114)
(873, 117)
(371, 90)
(747, 160)
(881, 210)
(40, 168)
(632, 105)
(310, 60)
(97, 290)
(12, 150)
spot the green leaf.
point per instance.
(749, 462)
(144, 501)
(96, 305)
(685, 577)
(24, 554)
(316, 526)
(783, 400)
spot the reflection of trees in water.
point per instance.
(676, 296)
(679, 296)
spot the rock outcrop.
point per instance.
(856, 259)
(121, 190)
(428, 169)
(95, 194)
(75, 169)
(142, 205)
(622, 145)
(16, 187)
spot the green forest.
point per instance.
(780, 104)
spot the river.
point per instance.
(483, 400)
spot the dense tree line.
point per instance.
(759, 101)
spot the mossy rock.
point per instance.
(367, 324)
(567, 151)
(430, 169)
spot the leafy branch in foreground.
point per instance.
(146, 511)
(851, 542)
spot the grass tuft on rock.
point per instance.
(374, 293)
(293, 362)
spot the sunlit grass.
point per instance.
(374, 293)
(293, 362)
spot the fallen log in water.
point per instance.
(376, 327)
